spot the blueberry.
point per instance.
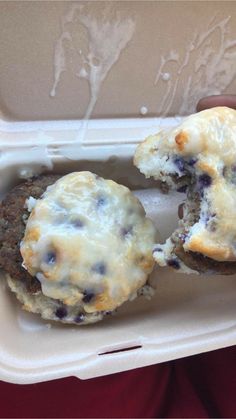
(205, 180)
(208, 217)
(99, 268)
(212, 226)
(230, 173)
(225, 171)
(157, 249)
(181, 211)
(50, 258)
(179, 162)
(88, 296)
(182, 237)
(61, 312)
(173, 263)
(192, 161)
(182, 189)
(77, 223)
(126, 231)
(101, 201)
(79, 318)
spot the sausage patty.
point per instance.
(13, 216)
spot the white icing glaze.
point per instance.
(207, 67)
(165, 76)
(25, 172)
(35, 156)
(59, 60)
(89, 235)
(107, 36)
(143, 110)
(30, 203)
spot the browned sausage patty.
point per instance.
(12, 227)
(193, 260)
(203, 264)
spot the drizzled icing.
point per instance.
(106, 36)
(207, 67)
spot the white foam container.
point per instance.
(189, 314)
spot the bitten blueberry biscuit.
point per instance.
(198, 157)
(88, 246)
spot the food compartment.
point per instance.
(188, 313)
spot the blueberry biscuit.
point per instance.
(197, 157)
(88, 246)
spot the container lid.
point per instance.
(68, 60)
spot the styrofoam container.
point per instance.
(133, 68)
